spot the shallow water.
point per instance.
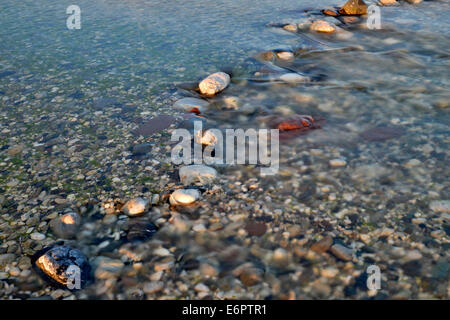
(130, 60)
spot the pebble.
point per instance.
(214, 83)
(341, 252)
(354, 7)
(322, 26)
(162, 252)
(293, 78)
(322, 245)
(442, 206)
(280, 257)
(338, 163)
(290, 27)
(201, 288)
(414, 1)
(184, 196)
(388, 2)
(329, 12)
(412, 163)
(37, 236)
(190, 104)
(107, 268)
(136, 206)
(153, 287)
(66, 226)
(197, 174)
(140, 149)
(285, 55)
(56, 261)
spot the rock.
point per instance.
(251, 276)
(66, 226)
(6, 259)
(280, 257)
(231, 103)
(153, 287)
(154, 125)
(412, 163)
(16, 150)
(354, 7)
(290, 27)
(322, 26)
(140, 149)
(338, 163)
(322, 245)
(193, 105)
(107, 268)
(255, 228)
(214, 83)
(329, 12)
(197, 174)
(136, 206)
(201, 288)
(37, 236)
(184, 196)
(414, 1)
(162, 252)
(285, 55)
(205, 138)
(382, 133)
(294, 78)
(57, 263)
(140, 230)
(442, 206)
(349, 19)
(388, 2)
(341, 252)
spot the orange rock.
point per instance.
(329, 12)
(354, 7)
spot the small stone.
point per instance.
(194, 105)
(338, 163)
(59, 263)
(108, 268)
(329, 12)
(140, 230)
(442, 206)
(16, 150)
(37, 236)
(285, 55)
(254, 228)
(184, 196)
(214, 83)
(197, 174)
(153, 287)
(66, 226)
(140, 149)
(162, 252)
(280, 257)
(354, 7)
(412, 163)
(322, 26)
(341, 252)
(290, 27)
(6, 259)
(414, 1)
(294, 78)
(322, 245)
(329, 272)
(250, 276)
(201, 288)
(199, 228)
(136, 206)
(388, 2)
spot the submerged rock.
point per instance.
(136, 206)
(184, 196)
(322, 26)
(214, 83)
(193, 105)
(140, 230)
(388, 2)
(197, 174)
(66, 226)
(294, 78)
(442, 206)
(354, 7)
(285, 55)
(329, 12)
(62, 262)
(341, 252)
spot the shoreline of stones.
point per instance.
(55, 261)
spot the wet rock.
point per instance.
(140, 230)
(329, 12)
(193, 105)
(59, 263)
(285, 55)
(414, 1)
(6, 259)
(153, 287)
(290, 27)
(322, 26)
(214, 83)
(294, 78)
(280, 257)
(254, 228)
(341, 252)
(184, 196)
(197, 174)
(251, 276)
(16, 150)
(140, 149)
(388, 2)
(36, 236)
(136, 206)
(66, 226)
(154, 125)
(442, 206)
(107, 268)
(322, 245)
(354, 7)
(338, 163)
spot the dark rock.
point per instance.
(341, 252)
(66, 226)
(141, 149)
(154, 125)
(354, 7)
(255, 228)
(56, 263)
(140, 230)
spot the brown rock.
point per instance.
(354, 7)
(322, 245)
(341, 252)
(322, 26)
(255, 228)
(329, 12)
(250, 276)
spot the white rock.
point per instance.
(285, 55)
(136, 206)
(187, 104)
(162, 252)
(201, 288)
(197, 173)
(214, 83)
(322, 26)
(293, 78)
(37, 236)
(338, 163)
(184, 196)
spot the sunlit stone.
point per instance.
(197, 174)
(214, 83)
(136, 206)
(184, 196)
(322, 26)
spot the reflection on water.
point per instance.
(70, 100)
